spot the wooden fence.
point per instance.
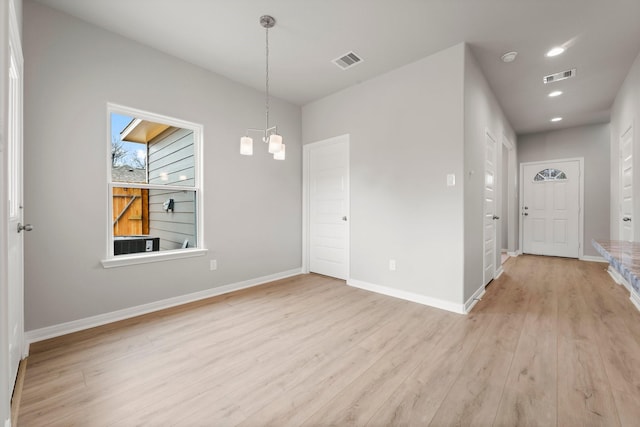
(130, 211)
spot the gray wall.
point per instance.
(482, 114)
(252, 205)
(592, 143)
(406, 135)
(624, 113)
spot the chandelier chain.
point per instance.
(267, 80)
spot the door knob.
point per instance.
(525, 214)
(526, 207)
(496, 217)
(626, 219)
(25, 227)
(344, 218)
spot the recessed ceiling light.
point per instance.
(555, 93)
(556, 119)
(555, 51)
(509, 57)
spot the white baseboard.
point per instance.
(408, 296)
(617, 277)
(114, 316)
(516, 253)
(593, 258)
(477, 296)
(635, 298)
(498, 272)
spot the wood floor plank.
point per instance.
(358, 401)
(417, 399)
(552, 342)
(530, 392)
(498, 321)
(474, 397)
(584, 393)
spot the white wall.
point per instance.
(252, 223)
(482, 114)
(592, 143)
(624, 113)
(406, 135)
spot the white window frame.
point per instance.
(147, 257)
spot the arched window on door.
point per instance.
(550, 175)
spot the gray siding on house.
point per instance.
(171, 161)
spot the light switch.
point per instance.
(451, 180)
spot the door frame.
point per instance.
(510, 177)
(628, 129)
(497, 195)
(580, 161)
(306, 182)
(5, 397)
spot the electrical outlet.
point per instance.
(451, 180)
(213, 265)
(392, 264)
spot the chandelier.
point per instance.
(269, 134)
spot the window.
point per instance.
(550, 175)
(154, 187)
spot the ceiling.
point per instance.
(602, 38)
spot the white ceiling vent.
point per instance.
(347, 60)
(560, 76)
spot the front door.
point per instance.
(328, 189)
(551, 208)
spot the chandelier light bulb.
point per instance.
(280, 154)
(246, 146)
(275, 143)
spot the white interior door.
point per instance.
(626, 186)
(328, 190)
(551, 208)
(490, 209)
(15, 269)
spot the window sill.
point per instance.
(144, 258)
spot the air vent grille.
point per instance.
(560, 76)
(347, 60)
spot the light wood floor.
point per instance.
(553, 342)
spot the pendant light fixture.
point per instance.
(269, 134)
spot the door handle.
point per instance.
(496, 217)
(525, 214)
(25, 227)
(344, 218)
(626, 219)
